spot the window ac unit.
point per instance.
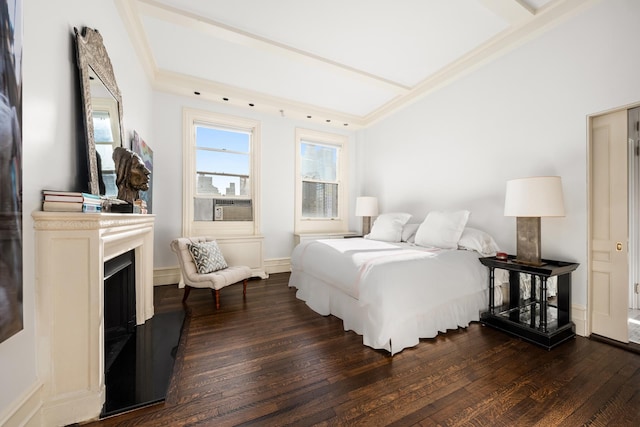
(233, 210)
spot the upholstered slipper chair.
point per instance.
(203, 266)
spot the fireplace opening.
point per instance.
(119, 305)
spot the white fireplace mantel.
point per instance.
(71, 249)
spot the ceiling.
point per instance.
(346, 63)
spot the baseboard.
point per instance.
(579, 318)
(171, 275)
(277, 265)
(26, 411)
(166, 276)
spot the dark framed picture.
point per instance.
(11, 315)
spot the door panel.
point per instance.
(608, 226)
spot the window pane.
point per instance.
(102, 127)
(207, 137)
(319, 162)
(319, 200)
(222, 173)
(223, 185)
(222, 163)
(106, 156)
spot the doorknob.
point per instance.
(618, 246)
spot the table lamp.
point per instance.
(366, 207)
(529, 199)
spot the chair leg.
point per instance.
(217, 297)
(187, 290)
(244, 288)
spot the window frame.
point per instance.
(192, 118)
(322, 225)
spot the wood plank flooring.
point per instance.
(269, 360)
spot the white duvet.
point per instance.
(391, 294)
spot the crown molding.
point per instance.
(525, 24)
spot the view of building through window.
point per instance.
(319, 169)
(222, 162)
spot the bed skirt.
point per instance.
(325, 299)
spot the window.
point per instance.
(220, 167)
(321, 184)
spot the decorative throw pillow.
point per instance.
(388, 227)
(442, 229)
(409, 232)
(207, 257)
(477, 240)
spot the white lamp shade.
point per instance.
(367, 206)
(534, 197)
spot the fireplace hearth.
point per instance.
(138, 359)
(141, 372)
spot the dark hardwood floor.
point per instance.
(271, 361)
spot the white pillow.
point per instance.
(388, 227)
(409, 232)
(442, 229)
(477, 240)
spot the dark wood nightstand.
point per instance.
(533, 319)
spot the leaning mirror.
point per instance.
(102, 111)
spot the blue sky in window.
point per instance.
(233, 159)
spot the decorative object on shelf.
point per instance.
(146, 154)
(132, 176)
(366, 207)
(529, 199)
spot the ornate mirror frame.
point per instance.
(92, 56)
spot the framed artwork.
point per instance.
(11, 315)
(141, 148)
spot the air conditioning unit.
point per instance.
(232, 210)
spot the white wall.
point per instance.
(277, 174)
(523, 114)
(50, 135)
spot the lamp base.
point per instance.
(366, 225)
(528, 241)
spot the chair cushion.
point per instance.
(221, 278)
(207, 257)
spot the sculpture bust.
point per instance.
(132, 176)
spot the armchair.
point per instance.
(215, 280)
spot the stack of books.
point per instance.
(70, 201)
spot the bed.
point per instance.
(391, 293)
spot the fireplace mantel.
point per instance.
(71, 249)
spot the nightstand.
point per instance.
(534, 319)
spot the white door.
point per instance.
(608, 233)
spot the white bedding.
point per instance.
(392, 294)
